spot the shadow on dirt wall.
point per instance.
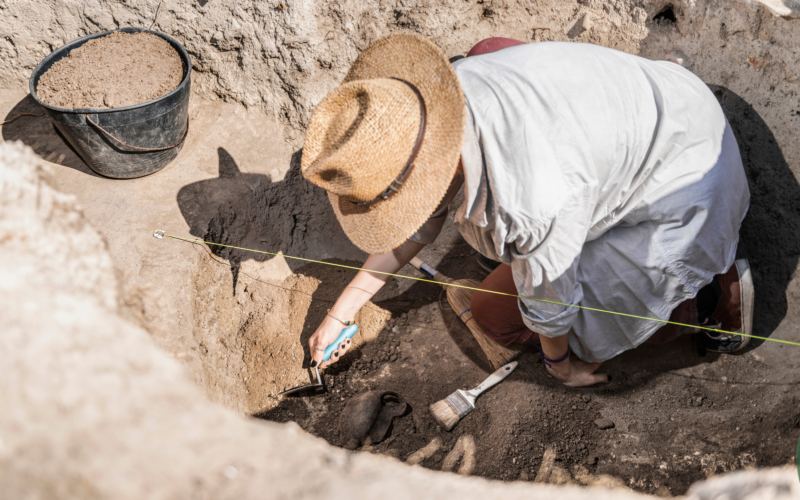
(251, 211)
(770, 234)
(42, 136)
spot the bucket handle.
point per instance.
(136, 147)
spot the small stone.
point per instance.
(586, 398)
(583, 25)
(604, 423)
(394, 357)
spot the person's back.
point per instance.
(576, 119)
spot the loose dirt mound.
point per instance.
(114, 71)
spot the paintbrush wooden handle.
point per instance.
(425, 268)
(494, 379)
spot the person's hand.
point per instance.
(576, 373)
(326, 333)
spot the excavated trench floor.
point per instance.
(240, 321)
(677, 417)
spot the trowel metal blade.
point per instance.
(307, 390)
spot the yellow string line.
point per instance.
(195, 240)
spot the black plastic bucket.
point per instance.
(128, 142)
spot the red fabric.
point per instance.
(685, 313)
(492, 45)
(500, 318)
(498, 315)
(729, 306)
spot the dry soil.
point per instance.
(114, 71)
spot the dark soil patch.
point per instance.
(114, 71)
(678, 418)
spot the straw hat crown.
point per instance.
(361, 137)
(385, 144)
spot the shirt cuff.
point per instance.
(558, 325)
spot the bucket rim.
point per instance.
(80, 41)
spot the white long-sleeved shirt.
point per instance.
(603, 179)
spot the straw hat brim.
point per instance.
(386, 225)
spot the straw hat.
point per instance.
(385, 144)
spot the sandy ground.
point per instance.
(240, 325)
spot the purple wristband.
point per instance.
(547, 360)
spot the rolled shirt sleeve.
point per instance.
(550, 315)
(546, 275)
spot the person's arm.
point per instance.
(366, 284)
(363, 286)
(553, 322)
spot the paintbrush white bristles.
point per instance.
(460, 403)
(444, 415)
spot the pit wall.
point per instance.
(93, 409)
(285, 55)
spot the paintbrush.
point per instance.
(456, 406)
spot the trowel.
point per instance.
(319, 387)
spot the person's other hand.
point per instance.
(326, 333)
(577, 373)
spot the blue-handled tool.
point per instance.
(346, 334)
(319, 387)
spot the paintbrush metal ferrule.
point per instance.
(461, 403)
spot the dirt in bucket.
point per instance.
(114, 71)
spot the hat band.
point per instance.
(396, 184)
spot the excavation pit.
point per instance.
(238, 323)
